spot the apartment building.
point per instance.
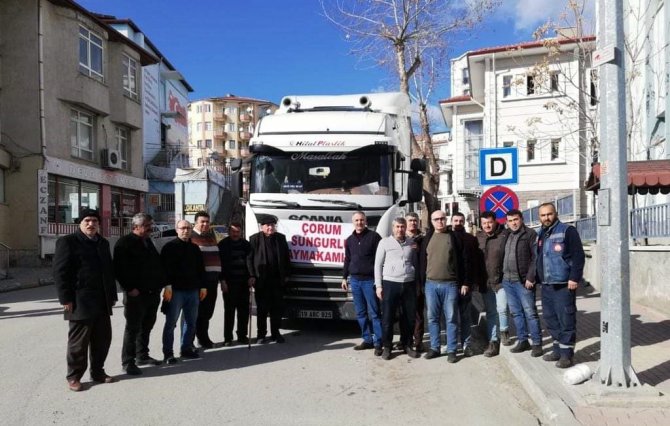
(164, 97)
(72, 123)
(534, 96)
(220, 128)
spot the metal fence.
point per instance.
(565, 207)
(587, 228)
(650, 222)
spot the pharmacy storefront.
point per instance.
(65, 187)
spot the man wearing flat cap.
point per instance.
(268, 264)
(84, 277)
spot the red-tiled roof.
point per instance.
(528, 45)
(643, 176)
(454, 99)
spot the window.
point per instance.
(230, 127)
(198, 127)
(208, 126)
(130, 77)
(231, 144)
(466, 75)
(199, 162)
(208, 143)
(594, 88)
(199, 143)
(166, 203)
(122, 136)
(81, 134)
(90, 54)
(530, 149)
(507, 86)
(553, 81)
(231, 111)
(555, 149)
(508, 144)
(68, 196)
(466, 92)
(207, 107)
(530, 84)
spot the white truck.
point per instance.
(312, 164)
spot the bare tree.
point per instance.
(403, 35)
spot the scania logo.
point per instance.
(335, 219)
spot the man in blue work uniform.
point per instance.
(560, 264)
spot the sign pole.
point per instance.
(615, 369)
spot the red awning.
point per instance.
(652, 176)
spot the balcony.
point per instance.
(220, 134)
(245, 135)
(219, 116)
(245, 118)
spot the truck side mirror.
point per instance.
(414, 187)
(236, 184)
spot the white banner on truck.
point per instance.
(316, 242)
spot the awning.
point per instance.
(644, 177)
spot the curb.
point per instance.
(12, 284)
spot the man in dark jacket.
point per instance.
(84, 278)
(560, 265)
(186, 288)
(359, 265)
(467, 243)
(491, 242)
(234, 251)
(519, 283)
(140, 273)
(269, 267)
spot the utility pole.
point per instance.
(615, 369)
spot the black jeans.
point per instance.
(140, 312)
(94, 334)
(205, 312)
(398, 295)
(236, 299)
(269, 300)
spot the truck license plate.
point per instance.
(315, 314)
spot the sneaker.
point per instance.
(520, 347)
(386, 354)
(378, 351)
(170, 360)
(504, 338)
(132, 370)
(468, 352)
(243, 340)
(451, 357)
(279, 339)
(190, 354)
(363, 346)
(147, 360)
(492, 350)
(432, 353)
(536, 351)
(564, 362)
(551, 357)
(411, 352)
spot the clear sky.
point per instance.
(270, 48)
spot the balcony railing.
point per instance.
(650, 222)
(245, 135)
(219, 116)
(245, 118)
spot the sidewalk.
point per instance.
(26, 277)
(586, 404)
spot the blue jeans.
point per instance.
(186, 301)
(524, 311)
(495, 304)
(559, 310)
(367, 310)
(442, 297)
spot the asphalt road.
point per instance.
(315, 378)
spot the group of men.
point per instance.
(396, 276)
(188, 272)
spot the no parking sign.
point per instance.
(499, 200)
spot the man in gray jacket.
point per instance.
(395, 284)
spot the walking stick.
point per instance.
(251, 295)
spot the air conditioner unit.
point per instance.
(110, 159)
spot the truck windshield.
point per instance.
(322, 173)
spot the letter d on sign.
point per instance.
(498, 166)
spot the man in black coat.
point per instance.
(234, 251)
(84, 277)
(139, 271)
(269, 268)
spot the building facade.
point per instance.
(535, 97)
(164, 99)
(71, 117)
(220, 129)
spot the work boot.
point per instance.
(492, 350)
(432, 353)
(536, 351)
(411, 352)
(363, 346)
(419, 347)
(132, 369)
(451, 357)
(564, 362)
(551, 357)
(378, 351)
(468, 352)
(520, 347)
(386, 354)
(504, 338)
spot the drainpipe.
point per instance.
(40, 53)
(666, 10)
(494, 107)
